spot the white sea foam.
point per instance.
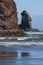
(34, 38)
(20, 43)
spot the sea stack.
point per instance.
(8, 19)
(26, 23)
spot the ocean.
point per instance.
(26, 55)
(35, 57)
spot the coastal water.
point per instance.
(35, 57)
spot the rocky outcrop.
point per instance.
(8, 14)
(12, 33)
(8, 19)
(35, 30)
(26, 21)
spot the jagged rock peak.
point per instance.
(26, 21)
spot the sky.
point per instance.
(34, 8)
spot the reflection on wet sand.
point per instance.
(24, 54)
(11, 55)
(7, 55)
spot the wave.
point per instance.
(22, 44)
(31, 35)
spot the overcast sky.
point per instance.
(34, 7)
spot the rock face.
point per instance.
(8, 19)
(26, 21)
(8, 14)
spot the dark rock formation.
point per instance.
(8, 19)
(26, 21)
(35, 30)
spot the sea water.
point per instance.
(35, 57)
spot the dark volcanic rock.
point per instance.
(26, 21)
(8, 19)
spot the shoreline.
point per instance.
(21, 44)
